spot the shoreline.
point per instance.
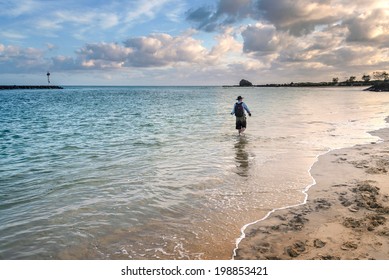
(306, 196)
(345, 214)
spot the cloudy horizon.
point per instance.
(174, 42)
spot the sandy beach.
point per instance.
(345, 217)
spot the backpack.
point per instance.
(239, 110)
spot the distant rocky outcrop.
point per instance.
(245, 83)
(384, 86)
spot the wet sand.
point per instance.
(346, 216)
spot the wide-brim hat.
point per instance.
(239, 98)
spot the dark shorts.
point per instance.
(241, 122)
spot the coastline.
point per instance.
(377, 86)
(345, 215)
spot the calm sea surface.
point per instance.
(159, 172)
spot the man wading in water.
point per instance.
(239, 110)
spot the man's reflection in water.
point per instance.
(241, 157)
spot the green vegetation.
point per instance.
(379, 78)
(380, 82)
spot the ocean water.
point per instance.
(160, 172)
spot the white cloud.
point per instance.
(299, 17)
(371, 26)
(13, 35)
(164, 50)
(18, 8)
(253, 37)
(262, 39)
(226, 44)
(101, 56)
(81, 18)
(146, 9)
(16, 59)
(153, 51)
(175, 11)
(227, 12)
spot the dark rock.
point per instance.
(329, 257)
(384, 86)
(263, 247)
(318, 243)
(291, 252)
(296, 249)
(351, 223)
(349, 246)
(297, 222)
(245, 83)
(322, 204)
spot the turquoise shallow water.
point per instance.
(159, 172)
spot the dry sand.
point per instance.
(346, 216)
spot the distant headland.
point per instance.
(29, 87)
(380, 84)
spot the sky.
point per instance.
(182, 42)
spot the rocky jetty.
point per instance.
(379, 87)
(29, 87)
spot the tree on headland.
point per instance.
(381, 75)
(377, 77)
(366, 78)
